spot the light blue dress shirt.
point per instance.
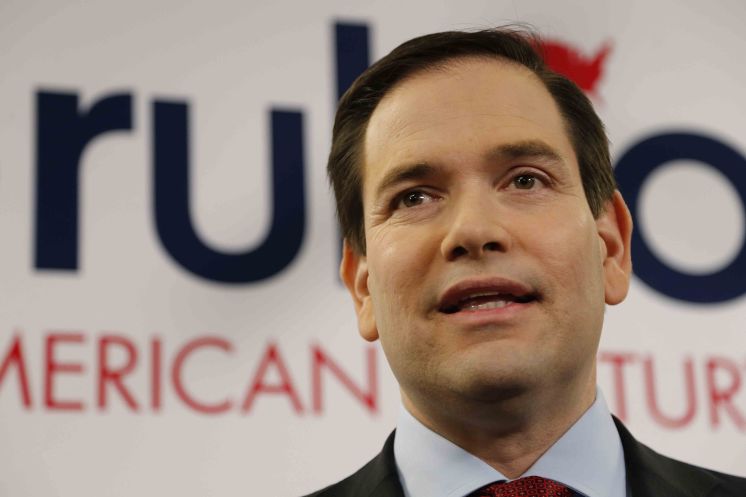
(588, 458)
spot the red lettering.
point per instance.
(113, 376)
(321, 361)
(722, 398)
(618, 362)
(15, 357)
(53, 367)
(650, 396)
(272, 357)
(176, 374)
(156, 375)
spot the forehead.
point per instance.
(452, 113)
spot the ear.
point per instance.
(614, 227)
(354, 272)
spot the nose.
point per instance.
(476, 230)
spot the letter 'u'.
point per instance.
(171, 200)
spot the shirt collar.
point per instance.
(587, 458)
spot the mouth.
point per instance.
(485, 302)
(482, 295)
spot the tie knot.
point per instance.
(530, 486)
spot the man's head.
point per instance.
(486, 255)
(427, 53)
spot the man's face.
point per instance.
(485, 271)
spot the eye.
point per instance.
(413, 198)
(524, 181)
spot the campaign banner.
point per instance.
(172, 319)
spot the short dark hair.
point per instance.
(511, 43)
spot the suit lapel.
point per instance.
(389, 485)
(650, 474)
(378, 478)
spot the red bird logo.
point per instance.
(567, 60)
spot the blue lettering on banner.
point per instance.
(351, 42)
(635, 166)
(63, 132)
(171, 190)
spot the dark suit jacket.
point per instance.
(649, 474)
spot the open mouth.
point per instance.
(484, 301)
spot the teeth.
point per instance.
(486, 300)
(476, 296)
(484, 294)
(492, 304)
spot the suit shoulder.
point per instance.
(721, 484)
(735, 484)
(356, 486)
(651, 473)
(378, 477)
(651, 470)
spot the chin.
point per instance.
(494, 384)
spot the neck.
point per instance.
(511, 434)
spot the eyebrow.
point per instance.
(535, 149)
(524, 149)
(405, 173)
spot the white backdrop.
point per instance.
(104, 366)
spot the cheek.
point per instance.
(398, 265)
(400, 255)
(575, 293)
(388, 280)
(574, 257)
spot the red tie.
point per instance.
(531, 486)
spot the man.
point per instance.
(483, 238)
